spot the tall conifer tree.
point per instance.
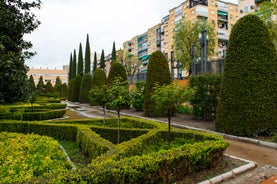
(95, 62)
(113, 53)
(80, 61)
(70, 75)
(74, 65)
(87, 56)
(102, 60)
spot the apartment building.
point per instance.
(49, 74)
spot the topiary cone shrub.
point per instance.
(117, 71)
(247, 103)
(157, 74)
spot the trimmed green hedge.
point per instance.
(204, 101)
(44, 115)
(62, 132)
(144, 159)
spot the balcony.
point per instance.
(223, 34)
(222, 6)
(202, 11)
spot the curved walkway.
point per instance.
(262, 153)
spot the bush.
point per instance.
(247, 103)
(137, 95)
(117, 70)
(29, 156)
(204, 101)
(84, 88)
(184, 109)
(157, 74)
(44, 115)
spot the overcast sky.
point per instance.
(65, 23)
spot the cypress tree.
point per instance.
(76, 88)
(95, 62)
(87, 56)
(64, 91)
(40, 85)
(117, 71)
(84, 88)
(102, 60)
(113, 53)
(31, 84)
(99, 78)
(80, 61)
(74, 65)
(247, 104)
(58, 85)
(158, 74)
(70, 75)
(70, 89)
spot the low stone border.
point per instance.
(231, 174)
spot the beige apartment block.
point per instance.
(49, 74)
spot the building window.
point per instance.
(213, 22)
(212, 12)
(245, 9)
(231, 7)
(192, 12)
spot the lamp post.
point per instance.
(203, 39)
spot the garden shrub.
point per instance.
(184, 109)
(28, 156)
(247, 103)
(157, 74)
(205, 99)
(137, 95)
(117, 70)
(43, 115)
(99, 82)
(84, 88)
(76, 88)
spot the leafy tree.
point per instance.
(48, 88)
(167, 98)
(119, 98)
(247, 100)
(137, 95)
(74, 65)
(98, 94)
(17, 20)
(186, 35)
(267, 10)
(117, 71)
(113, 54)
(87, 56)
(31, 84)
(76, 88)
(58, 86)
(157, 74)
(131, 64)
(102, 60)
(70, 72)
(80, 61)
(40, 86)
(95, 62)
(84, 88)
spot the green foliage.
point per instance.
(99, 78)
(184, 109)
(87, 56)
(248, 98)
(131, 64)
(17, 20)
(167, 97)
(186, 35)
(137, 94)
(74, 65)
(84, 88)
(98, 94)
(94, 62)
(119, 94)
(204, 101)
(40, 86)
(70, 72)
(29, 156)
(80, 61)
(70, 89)
(157, 74)
(58, 87)
(64, 91)
(76, 88)
(102, 60)
(117, 71)
(48, 87)
(31, 84)
(43, 115)
(114, 58)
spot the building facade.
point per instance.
(49, 74)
